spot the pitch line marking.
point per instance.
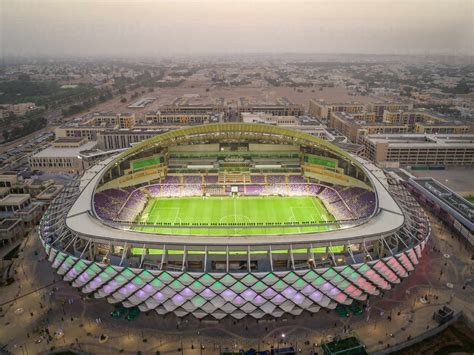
(235, 217)
(291, 209)
(235, 214)
(323, 215)
(157, 211)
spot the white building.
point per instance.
(62, 156)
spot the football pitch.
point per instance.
(234, 215)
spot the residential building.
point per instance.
(353, 126)
(420, 149)
(90, 125)
(444, 128)
(380, 107)
(321, 109)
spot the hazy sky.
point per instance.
(140, 27)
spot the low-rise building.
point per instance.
(444, 128)
(124, 138)
(420, 149)
(452, 209)
(181, 118)
(21, 206)
(9, 180)
(90, 125)
(13, 203)
(50, 193)
(282, 107)
(190, 104)
(353, 126)
(302, 123)
(63, 155)
(121, 120)
(35, 186)
(408, 118)
(321, 109)
(261, 117)
(380, 107)
(11, 230)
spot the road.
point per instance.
(25, 139)
(51, 116)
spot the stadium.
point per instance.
(236, 220)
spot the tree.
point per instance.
(24, 77)
(123, 100)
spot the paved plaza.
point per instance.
(38, 303)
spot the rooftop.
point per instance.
(55, 152)
(7, 223)
(337, 103)
(449, 197)
(423, 140)
(50, 192)
(356, 119)
(69, 140)
(444, 123)
(14, 199)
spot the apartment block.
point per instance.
(420, 149)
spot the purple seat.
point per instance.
(257, 179)
(211, 179)
(193, 179)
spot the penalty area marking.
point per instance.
(294, 217)
(157, 211)
(313, 213)
(323, 216)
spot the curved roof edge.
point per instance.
(81, 220)
(232, 127)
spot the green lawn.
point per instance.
(238, 212)
(470, 198)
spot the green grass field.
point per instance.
(238, 212)
(470, 198)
